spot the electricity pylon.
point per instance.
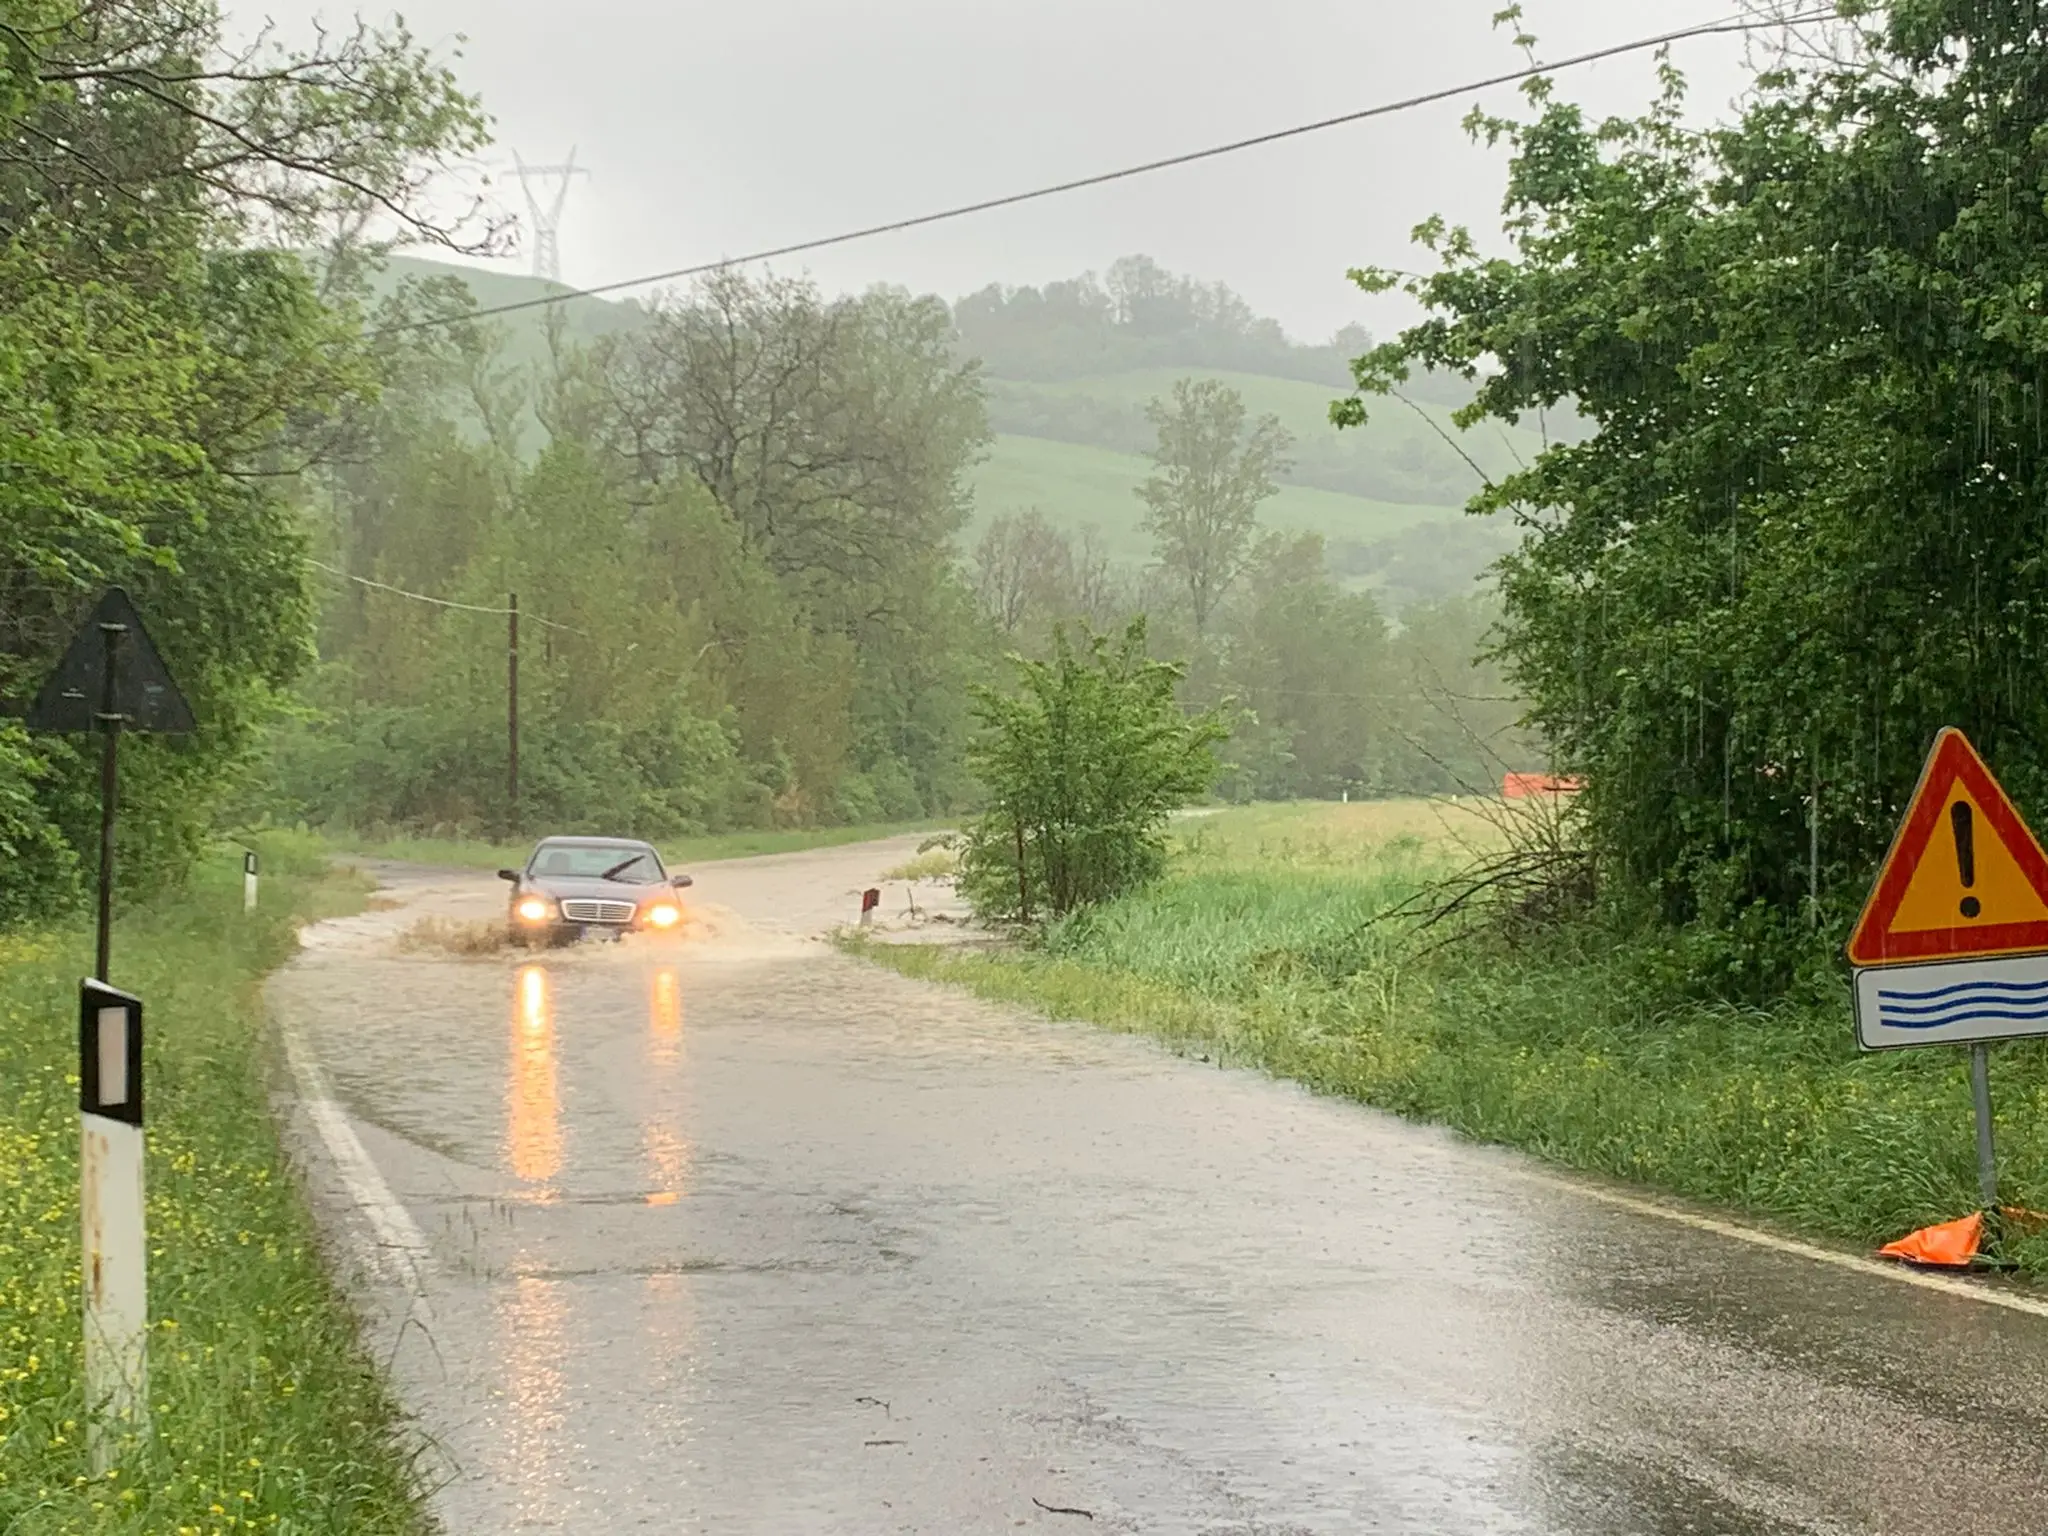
(547, 220)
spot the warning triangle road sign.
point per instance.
(1964, 878)
(144, 695)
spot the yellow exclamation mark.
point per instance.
(1961, 822)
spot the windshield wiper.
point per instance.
(619, 869)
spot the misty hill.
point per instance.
(1071, 367)
(1140, 316)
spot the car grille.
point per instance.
(598, 911)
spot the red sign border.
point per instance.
(1873, 942)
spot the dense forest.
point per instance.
(745, 594)
(735, 517)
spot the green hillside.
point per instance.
(1387, 498)
(1402, 551)
(1303, 408)
(1406, 453)
(524, 330)
(1075, 486)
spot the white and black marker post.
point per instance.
(114, 1247)
(249, 873)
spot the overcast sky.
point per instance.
(712, 129)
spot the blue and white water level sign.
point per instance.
(1953, 1003)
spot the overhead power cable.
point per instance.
(1146, 168)
(440, 602)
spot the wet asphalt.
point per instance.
(730, 1233)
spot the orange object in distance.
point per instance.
(1520, 786)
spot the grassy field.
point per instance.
(1393, 431)
(266, 1414)
(1591, 1050)
(678, 853)
(1078, 487)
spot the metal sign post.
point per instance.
(108, 721)
(1980, 1096)
(114, 1246)
(1952, 947)
(111, 680)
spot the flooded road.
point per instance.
(734, 1234)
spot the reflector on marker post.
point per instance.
(114, 1244)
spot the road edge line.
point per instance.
(1757, 1238)
(401, 1252)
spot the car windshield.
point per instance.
(592, 861)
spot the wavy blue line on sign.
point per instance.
(1966, 986)
(1888, 1001)
(1963, 1016)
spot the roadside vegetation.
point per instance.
(266, 1413)
(753, 609)
(1270, 944)
(1745, 598)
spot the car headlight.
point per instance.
(665, 915)
(534, 909)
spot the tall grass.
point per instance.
(1594, 1049)
(266, 1414)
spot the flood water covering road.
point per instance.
(731, 1233)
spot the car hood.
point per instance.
(577, 888)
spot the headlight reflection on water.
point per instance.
(669, 1153)
(533, 1108)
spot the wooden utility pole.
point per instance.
(512, 711)
(1023, 880)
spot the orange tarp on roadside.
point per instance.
(1952, 1245)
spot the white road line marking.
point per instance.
(1897, 1273)
(401, 1252)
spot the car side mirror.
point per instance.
(681, 881)
(509, 874)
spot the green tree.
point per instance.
(1307, 663)
(1202, 498)
(1029, 575)
(1807, 531)
(1082, 765)
(165, 368)
(837, 434)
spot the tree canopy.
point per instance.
(163, 364)
(1811, 526)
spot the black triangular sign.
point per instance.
(144, 695)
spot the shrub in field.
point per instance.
(1082, 765)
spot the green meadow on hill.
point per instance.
(1387, 499)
